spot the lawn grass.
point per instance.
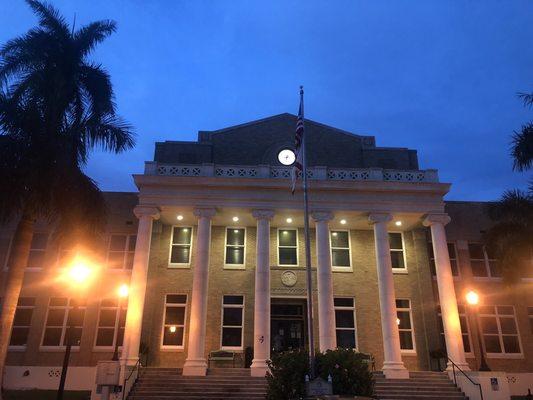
(45, 395)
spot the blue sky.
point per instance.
(437, 76)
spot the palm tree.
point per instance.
(55, 107)
(522, 145)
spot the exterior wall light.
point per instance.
(180, 217)
(398, 223)
(343, 222)
(235, 219)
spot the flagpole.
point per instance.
(307, 251)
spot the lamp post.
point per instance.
(472, 299)
(123, 291)
(77, 275)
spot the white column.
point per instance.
(137, 289)
(262, 294)
(196, 364)
(326, 310)
(392, 365)
(447, 299)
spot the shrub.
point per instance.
(349, 372)
(286, 378)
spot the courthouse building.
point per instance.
(212, 246)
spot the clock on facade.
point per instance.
(286, 157)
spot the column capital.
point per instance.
(437, 218)
(207, 212)
(375, 218)
(322, 216)
(263, 214)
(147, 210)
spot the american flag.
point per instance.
(298, 148)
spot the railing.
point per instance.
(136, 368)
(278, 172)
(454, 366)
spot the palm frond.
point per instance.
(97, 84)
(88, 37)
(49, 17)
(110, 133)
(527, 98)
(522, 148)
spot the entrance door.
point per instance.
(287, 325)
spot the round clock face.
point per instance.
(286, 157)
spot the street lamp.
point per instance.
(472, 298)
(77, 276)
(123, 291)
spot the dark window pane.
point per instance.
(105, 337)
(432, 267)
(176, 298)
(287, 256)
(343, 302)
(232, 317)
(19, 336)
(58, 301)
(233, 300)
(476, 251)
(117, 243)
(508, 325)
(395, 241)
(26, 301)
(75, 338)
(231, 337)
(487, 309)
(464, 326)
(531, 324)
(36, 259)
(511, 344)
(55, 317)
(492, 344)
(287, 237)
(400, 303)
(132, 242)
(340, 258)
(235, 236)
(455, 268)
(175, 316)
(173, 338)
(180, 254)
(339, 239)
(120, 337)
(397, 259)
(346, 339)
(75, 317)
(235, 255)
(406, 341)
(451, 251)
(466, 344)
(489, 324)
(405, 321)
(344, 319)
(495, 270)
(108, 317)
(478, 268)
(52, 337)
(115, 259)
(122, 320)
(23, 317)
(129, 260)
(181, 236)
(38, 241)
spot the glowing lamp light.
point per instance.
(79, 271)
(235, 219)
(398, 223)
(172, 329)
(289, 220)
(123, 290)
(472, 298)
(398, 321)
(180, 217)
(235, 231)
(343, 222)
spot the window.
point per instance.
(483, 262)
(340, 249)
(530, 313)
(500, 333)
(180, 249)
(61, 315)
(65, 255)
(121, 251)
(235, 246)
(453, 259)
(174, 322)
(396, 250)
(405, 324)
(37, 250)
(288, 247)
(111, 323)
(232, 321)
(345, 322)
(22, 321)
(465, 328)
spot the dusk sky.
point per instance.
(437, 76)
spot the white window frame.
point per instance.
(123, 306)
(22, 347)
(234, 266)
(455, 277)
(412, 330)
(126, 250)
(45, 250)
(288, 247)
(184, 326)
(337, 268)
(222, 326)
(464, 314)
(500, 335)
(486, 260)
(64, 327)
(345, 308)
(180, 265)
(399, 270)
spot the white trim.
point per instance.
(242, 307)
(500, 334)
(64, 327)
(486, 260)
(165, 347)
(346, 308)
(235, 266)
(126, 250)
(288, 247)
(180, 265)
(399, 270)
(412, 330)
(121, 305)
(338, 268)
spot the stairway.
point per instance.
(419, 386)
(219, 384)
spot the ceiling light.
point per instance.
(180, 217)
(398, 223)
(235, 219)
(334, 233)
(343, 222)
(289, 220)
(235, 231)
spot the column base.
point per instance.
(395, 370)
(196, 367)
(259, 368)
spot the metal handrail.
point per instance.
(135, 368)
(454, 366)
